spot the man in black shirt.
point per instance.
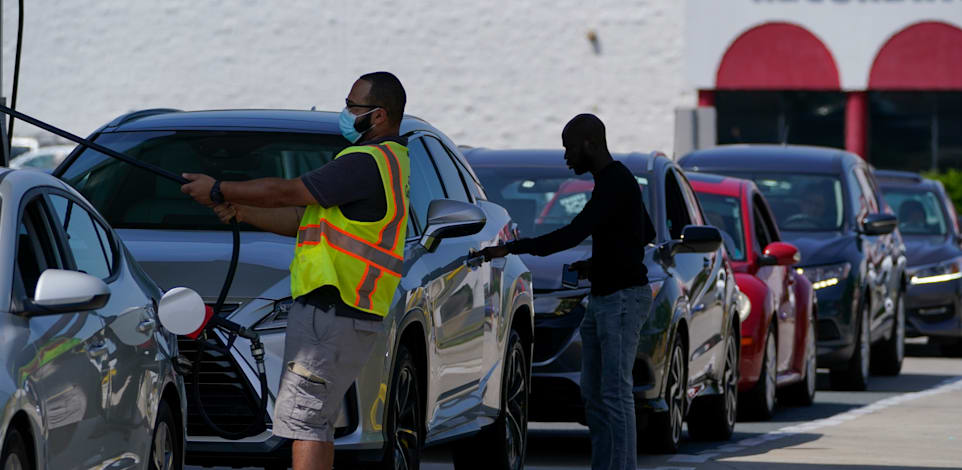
(616, 219)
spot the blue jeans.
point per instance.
(609, 338)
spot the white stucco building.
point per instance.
(490, 73)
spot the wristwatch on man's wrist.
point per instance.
(215, 194)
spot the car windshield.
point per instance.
(725, 213)
(129, 197)
(919, 211)
(541, 198)
(801, 202)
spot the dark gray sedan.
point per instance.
(933, 246)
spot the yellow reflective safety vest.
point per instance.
(363, 260)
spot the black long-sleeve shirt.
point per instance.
(616, 219)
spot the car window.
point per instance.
(425, 184)
(857, 195)
(762, 236)
(676, 209)
(694, 208)
(129, 197)
(766, 217)
(36, 247)
(919, 211)
(801, 202)
(90, 252)
(450, 176)
(725, 213)
(871, 198)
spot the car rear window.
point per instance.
(130, 197)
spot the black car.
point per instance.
(688, 353)
(933, 246)
(827, 203)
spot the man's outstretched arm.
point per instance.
(280, 220)
(261, 192)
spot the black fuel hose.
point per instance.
(217, 321)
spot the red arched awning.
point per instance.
(924, 56)
(777, 56)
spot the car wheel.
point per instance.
(166, 448)
(803, 393)
(759, 403)
(712, 418)
(855, 375)
(890, 353)
(404, 438)
(502, 445)
(663, 433)
(15, 456)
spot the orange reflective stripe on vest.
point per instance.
(393, 228)
(350, 245)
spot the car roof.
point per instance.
(764, 157)
(903, 179)
(322, 122)
(489, 158)
(718, 184)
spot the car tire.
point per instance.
(803, 393)
(712, 418)
(404, 420)
(855, 375)
(888, 355)
(662, 435)
(759, 403)
(503, 445)
(166, 448)
(15, 455)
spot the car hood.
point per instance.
(199, 260)
(546, 270)
(922, 250)
(818, 248)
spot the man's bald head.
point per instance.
(586, 127)
(586, 148)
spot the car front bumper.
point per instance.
(934, 309)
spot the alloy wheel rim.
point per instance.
(770, 379)
(676, 396)
(516, 409)
(406, 436)
(731, 385)
(13, 463)
(900, 330)
(865, 346)
(163, 456)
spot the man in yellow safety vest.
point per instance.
(350, 220)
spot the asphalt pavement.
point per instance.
(913, 421)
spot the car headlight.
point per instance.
(278, 316)
(743, 304)
(940, 272)
(827, 275)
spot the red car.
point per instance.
(778, 327)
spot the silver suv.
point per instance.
(87, 380)
(456, 352)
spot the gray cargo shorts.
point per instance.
(323, 354)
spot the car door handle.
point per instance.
(97, 350)
(146, 326)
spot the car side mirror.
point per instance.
(780, 254)
(879, 224)
(448, 218)
(62, 291)
(695, 239)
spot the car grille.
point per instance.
(225, 393)
(934, 314)
(827, 330)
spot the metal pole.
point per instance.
(5, 145)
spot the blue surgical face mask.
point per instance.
(346, 123)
